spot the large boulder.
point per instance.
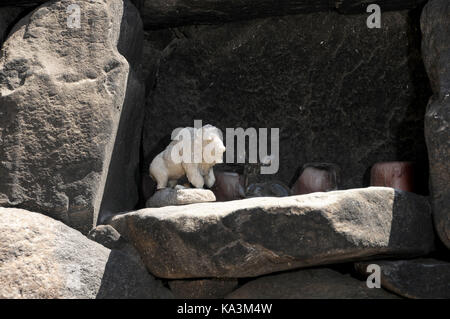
(337, 90)
(417, 278)
(435, 25)
(321, 283)
(257, 236)
(43, 258)
(71, 110)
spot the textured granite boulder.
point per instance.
(435, 25)
(43, 258)
(71, 110)
(257, 236)
(321, 283)
(185, 196)
(338, 91)
(417, 278)
(203, 288)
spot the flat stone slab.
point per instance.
(416, 279)
(258, 236)
(171, 197)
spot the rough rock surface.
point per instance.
(257, 236)
(203, 288)
(107, 236)
(338, 91)
(418, 278)
(321, 283)
(70, 106)
(43, 258)
(435, 25)
(161, 13)
(170, 197)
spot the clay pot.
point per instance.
(228, 186)
(399, 175)
(317, 177)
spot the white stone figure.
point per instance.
(193, 152)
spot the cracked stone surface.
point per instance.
(69, 97)
(257, 236)
(418, 278)
(435, 24)
(41, 258)
(338, 91)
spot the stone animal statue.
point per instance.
(193, 152)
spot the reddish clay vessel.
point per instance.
(316, 177)
(228, 186)
(399, 175)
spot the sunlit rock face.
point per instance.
(252, 237)
(71, 110)
(42, 258)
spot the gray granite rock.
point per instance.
(416, 278)
(70, 121)
(107, 236)
(256, 236)
(321, 283)
(171, 196)
(435, 25)
(43, 258)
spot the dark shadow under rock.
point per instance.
(320, 283)
(202, 288)
(416, 278)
